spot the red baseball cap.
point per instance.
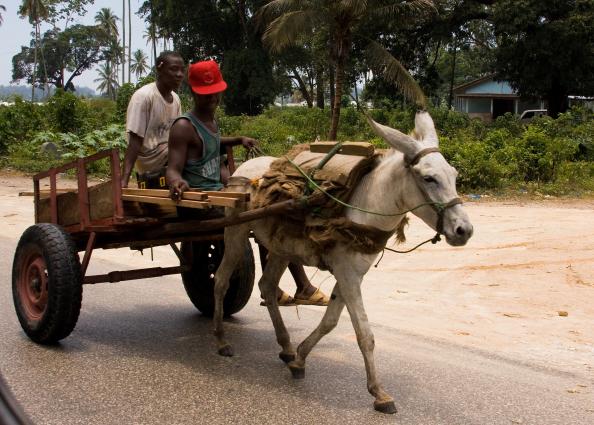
(205, 78)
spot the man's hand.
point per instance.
(248, 142)
(177, 188)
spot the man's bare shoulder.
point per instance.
(182, 130)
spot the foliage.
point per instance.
(556, 36)
(20, 121)
(228, 34)
(75, 49)
(67, 113)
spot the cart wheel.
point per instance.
(205, 258)
(46, 283)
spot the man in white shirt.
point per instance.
(151, 111)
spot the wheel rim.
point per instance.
(33, 286)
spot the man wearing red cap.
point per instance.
(195, 146)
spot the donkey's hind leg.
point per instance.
(273, 271)
(329, 322)
(235, 237)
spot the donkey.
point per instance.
(412, 173)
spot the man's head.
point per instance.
(207, 84)
(170, 69)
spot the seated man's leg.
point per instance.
(306, 293)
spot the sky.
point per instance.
(16, 32)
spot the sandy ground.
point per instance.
(523, 287)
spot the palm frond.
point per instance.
(354, 7)
(421, 7)
(382, 62)
(276, 8)
(286, 29)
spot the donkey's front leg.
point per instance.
(273, 271)
(235, 239)
(349, 283)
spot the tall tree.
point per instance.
(75, 49)
(108, 80)
(225, 31)
(124, 41)
(107, 20)
(35, 11)
(546, 48)
(289, 20)
(129, 39)
(139, 64)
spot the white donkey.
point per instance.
(413, 173)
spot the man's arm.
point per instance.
(180, 136)
(246, 142)
(134, 145)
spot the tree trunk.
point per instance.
(337, 99)
(129, 39)
(303, 88)
(123, 42)
(452, 77)
(557, 97)
(320, 87)
(331, 84)
(34, 65)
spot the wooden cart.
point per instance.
(48, 274)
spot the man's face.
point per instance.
(171, 72)
(207, 102)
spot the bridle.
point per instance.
(438, 207)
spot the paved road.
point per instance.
(141, 354)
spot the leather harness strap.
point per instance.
(412, 162)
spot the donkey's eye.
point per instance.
(429, 179)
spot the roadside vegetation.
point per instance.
(547, 156)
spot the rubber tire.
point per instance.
(64, 285)
(199, 281)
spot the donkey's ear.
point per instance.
(398, 140)
(424, 127)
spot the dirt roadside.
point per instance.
(506, 292)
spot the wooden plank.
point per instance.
(46, 192)
(223, 202)
(165, 201)
(163, 193)
(348, 148)
(223, 194)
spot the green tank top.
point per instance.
(204, 173)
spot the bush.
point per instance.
(20, 122)
(68, 113)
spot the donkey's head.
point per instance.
(435, 179)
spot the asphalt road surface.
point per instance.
(141, 354)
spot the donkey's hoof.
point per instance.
(226, 351)
(285, 357)
(387, 407)
(297, 372)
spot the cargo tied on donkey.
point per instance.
(342, 237)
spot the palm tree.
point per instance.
(289, 20)
(2, 9)
(36, 11)
(108, 80)
(151, 38)
(129, 39)
(138, 63)
(124, 41)
(107, 20)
